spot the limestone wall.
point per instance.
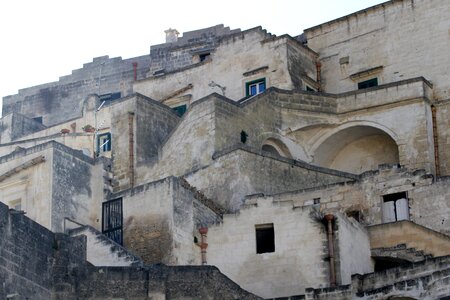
(58, 101)
(51, 182)
(240, 172)
(428, 199)
(239, 58)
(352, 249)
(160, 220)
(286, 271)
(390, 35)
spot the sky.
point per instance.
(42, 40)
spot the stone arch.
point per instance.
(356, 147)
(276, 147)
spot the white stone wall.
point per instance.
(353, 245)
(300, 249)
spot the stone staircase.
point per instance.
(419, 239)
(400, 252)
(102, 251)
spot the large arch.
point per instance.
(356, 148)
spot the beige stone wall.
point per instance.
(353, 249)
(288, 270)
(238, 59)
(29, 187)
(390, 35)
(428, 199)
(400, 114)
(159, 224)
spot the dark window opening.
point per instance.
(244, 136)
(109, 97)
(255, 87)
(180, 110)
(104, 142)
(355, 214)
(309, 89)
(382, 264)
(395, 207)
(265, 238)
(204, 56)
(368, 83)
(316, 200)
(38, 119)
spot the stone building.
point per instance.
(308, 167)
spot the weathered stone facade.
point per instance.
(312, 167)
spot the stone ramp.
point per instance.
(102, 251)
(412, 235)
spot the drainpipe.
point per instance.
(131, 147)
(135, 64)
(436, 142)
(319, 75)
(329, 218)
(203, 244)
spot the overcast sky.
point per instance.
(42, 40)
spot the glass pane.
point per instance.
(262, 87)
(253, 90)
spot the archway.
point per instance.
(357, 149)
(276, 147)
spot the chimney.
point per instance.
(171, 35)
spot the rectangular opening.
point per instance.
(368, 83)
(265, 238)
(110, 96)
(112, 220)
(38, 119)
(204, 56)
(395, 207)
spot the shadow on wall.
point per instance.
(357, 149)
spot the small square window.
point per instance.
(204, 56)
(255, 87)
(104, 142)
(265, 238)
(368, 83)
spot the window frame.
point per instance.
(396, 199)
(256, 83)
(102, 144)
(365, 84)
(264, 232)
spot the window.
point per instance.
(204, 56)
(308, 89)
(368, 83)
(110, 96)
(255, 87)
(104, 142)
(38, 119)
(180, 110)
(395, 207)
(265, 238)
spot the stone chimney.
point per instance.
(171, 35)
